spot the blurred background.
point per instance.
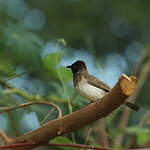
(39, 38)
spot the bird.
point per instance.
(90, 87)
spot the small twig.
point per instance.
(7, 109)
(22, 93)
(80, 146)
(98, 130)
(46, 117)
(55, 144)
(138, 65)
(144, 119)
(13, 90)
(102, 133)
(13, 146)
(5, 138)
(5, 84)
(13, 123)
(88, 135)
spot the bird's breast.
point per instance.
(89, 91)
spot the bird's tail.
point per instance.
(132, 106)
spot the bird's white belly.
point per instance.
(90, 92)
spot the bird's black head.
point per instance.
(77, 66)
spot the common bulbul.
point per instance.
(89, 86)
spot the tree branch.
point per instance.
(99, 109)
(7, 109)
(5, 138)
(82, 146)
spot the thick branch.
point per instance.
(99, 109)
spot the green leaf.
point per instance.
(61, 139)
(64, 73)
(52, 60)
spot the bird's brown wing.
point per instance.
(96, 82)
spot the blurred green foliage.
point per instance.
(142, 134)
(99, 29)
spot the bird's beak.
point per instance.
(68, 66)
